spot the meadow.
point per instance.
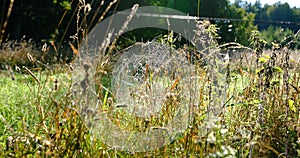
(260, 117)
(245, 100)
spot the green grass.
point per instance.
(244, 109)
(41, 119)
(15, 101)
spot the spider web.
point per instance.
(148, 73)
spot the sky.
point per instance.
(292, 3)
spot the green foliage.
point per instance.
(214, 8)
(183, 6)
(257, 42)
(275, 35)
(213, 31)
(66, 5)
(158, 3)
(277, 12)
(242, 30)
(280, 12)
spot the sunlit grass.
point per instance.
(239, 109)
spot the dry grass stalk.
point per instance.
(32, 75)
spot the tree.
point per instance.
(277, 35)
(278, 14)
(245, 28)
(214, 8)
(238, 31)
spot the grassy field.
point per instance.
(260, 118)
(245, 104)
(245, 107)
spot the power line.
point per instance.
(255, 21)
(186, 17)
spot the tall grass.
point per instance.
(260, 117)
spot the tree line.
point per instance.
(55, 19)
